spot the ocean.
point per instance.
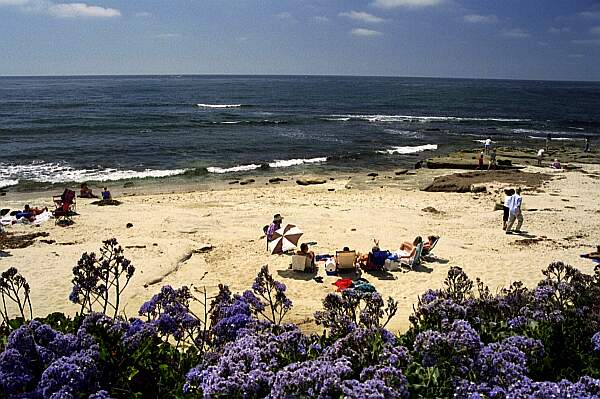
(56, 130)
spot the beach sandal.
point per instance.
(318, 279)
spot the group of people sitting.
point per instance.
(86, 192)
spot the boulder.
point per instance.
(276, 180)
(373, 174)
(401, 172)
(247, 181)
(307, 182)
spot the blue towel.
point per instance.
(319, 258)
(393, 257)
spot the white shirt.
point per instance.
(541, 152)
(514, 203)
(488, 142)
(506, 200)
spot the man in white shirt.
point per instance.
(514, 212)
(488, 145)
(540, 156)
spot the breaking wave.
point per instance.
(410, 149)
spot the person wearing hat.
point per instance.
(273, 227)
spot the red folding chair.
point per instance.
(65, 207)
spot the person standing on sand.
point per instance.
(492, 164)
(480, 161)
(505, 208)
(587, 145)
(514, 212)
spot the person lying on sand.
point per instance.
(593, 255)
(30, 213)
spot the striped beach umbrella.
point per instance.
(284, 239)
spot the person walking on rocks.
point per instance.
(514, 212)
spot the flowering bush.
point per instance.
(464, 342)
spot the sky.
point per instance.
(511, 39)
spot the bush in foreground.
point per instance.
(464, 341)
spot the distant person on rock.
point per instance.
(540, 156)
(514, 212)
(587, 145)
(480, 161)
(556, 164)
(488, 145)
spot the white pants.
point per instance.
(511, 220)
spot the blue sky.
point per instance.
(517, 39)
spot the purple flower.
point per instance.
(596, 342)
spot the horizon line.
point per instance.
(83, 75)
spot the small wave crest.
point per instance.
(556, 138)
(239, 168)
(422, 119)
(410, 149)
(277, 163)
(44, 172)
(8, 182)
(219, 105)
(294, 162)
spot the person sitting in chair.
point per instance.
(409, 249)
(106, 194)
(274, 226)
(429, 243)
(304, 251)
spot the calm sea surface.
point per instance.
(73, 129)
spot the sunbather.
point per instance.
(593, 255)
(407, 249)
(429, 243)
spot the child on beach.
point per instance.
(507, 194)
(480, 160)
(514, 211)
(106, 194)
(492, 164)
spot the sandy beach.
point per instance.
(210, 237)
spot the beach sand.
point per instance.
(562, 219)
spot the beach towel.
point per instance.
(42, 218)
(363, 286)
(319, 258)
(343, 284)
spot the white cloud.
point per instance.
(321, 19)
(406, 3)
(142, 14)
(284, 15)
(515, 33)
(362, 16)
(362, 32)
(72, 10)
(167, 35)
(595, 30)
(480, 19)
(62, 10)
(590, 14)
(13, 2)
(559, 30)
(586, 41)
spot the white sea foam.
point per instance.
(556, 138)
(423, 119)
(239, 168)
(57, 173)
(8, 182)
(342, 119)
(410, 149)
(219, 105)
(294, 162)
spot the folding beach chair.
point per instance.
(345, 260)
(65, 206)
(415, 261)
